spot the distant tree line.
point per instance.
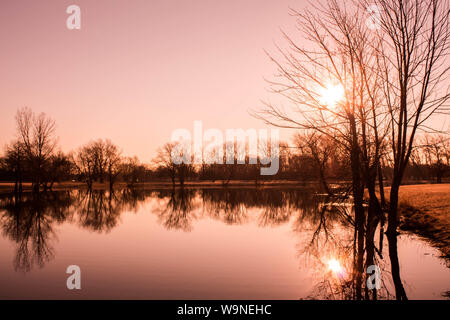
(34, 157)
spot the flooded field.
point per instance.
(231, 243)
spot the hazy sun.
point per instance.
(334, 265)
(331, 95)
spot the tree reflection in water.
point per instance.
(28, 220)
(178, 211)
(338, 247)
(341, 251)
(98, 210)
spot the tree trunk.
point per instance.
(393, 209)
(89, 184)
(181, 176)
(323, 181)
(400, 293)
(381, 186)
(373, 215)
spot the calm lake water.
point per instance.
(235, 243)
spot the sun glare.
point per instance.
(335, 266)
(331, 95)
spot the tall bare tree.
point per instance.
(331, 80)
(393, 80)
(414, 45)
(37, 136)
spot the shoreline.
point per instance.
(425, 210)
(7, 187)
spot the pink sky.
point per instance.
(137, 69)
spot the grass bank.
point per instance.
(425, 210)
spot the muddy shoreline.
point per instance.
(425, 211)
(427, 226)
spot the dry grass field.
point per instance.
(425, 210)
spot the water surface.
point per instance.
(234, 243)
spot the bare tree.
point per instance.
(321, 149)
(98, 160)
(341, 52)
(14, 162)
(58, 168)
(37, 136)
(132, 170)
(85, 164)
(164, 160)
(435, 149)
(332, 82)
(414, 45)
(113, 161)
(181, 168)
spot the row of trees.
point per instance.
(34, 157)
(311, 156)
(431, 158)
